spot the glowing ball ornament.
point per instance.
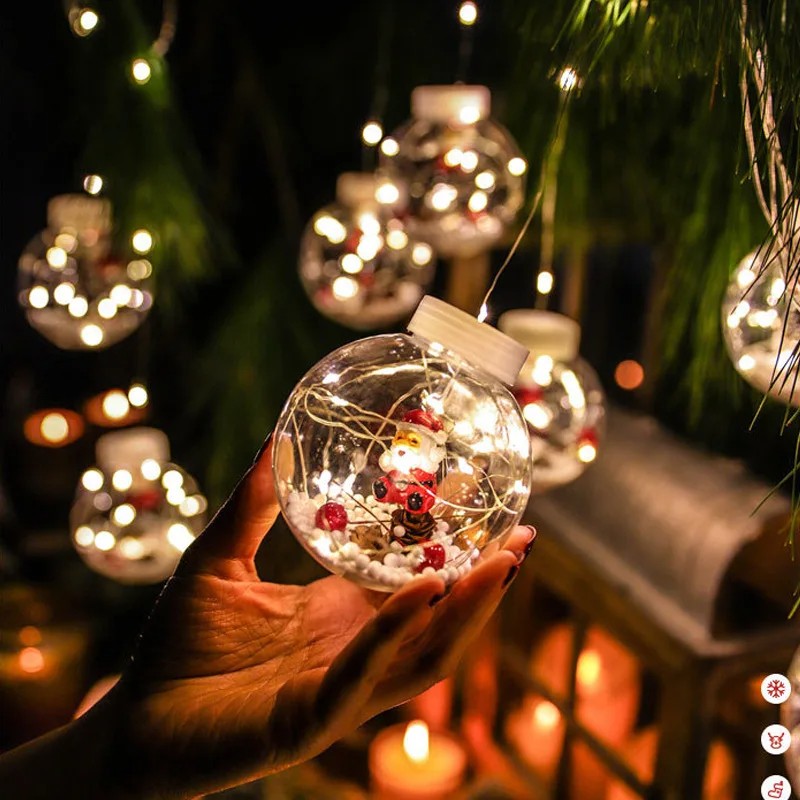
(406, 454)
(75, 291)
(358, 263)
(464, 172)
(560, 395)
(754, 312)
(135, 512)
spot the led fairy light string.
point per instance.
(357, 423)
(467, 17)
(372, 132)
(780, 207)
(568, 80)
(319, 403)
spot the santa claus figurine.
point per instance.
(411, 463)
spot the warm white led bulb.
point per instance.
(372, 133)
(467, 13)
(141, 70)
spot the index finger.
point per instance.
(238, 528)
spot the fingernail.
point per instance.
(263, 447)
(511, 574)
(435, 599)
(529, 546)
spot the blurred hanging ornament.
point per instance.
(464, 172)
(134, 512)
(75, 291)
(401, 455)
(358, 263)
(560, 395)
(761, 327)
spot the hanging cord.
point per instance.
(166, 34)
(550, 192)
(556, 145)
(466, 40)
(380, 95)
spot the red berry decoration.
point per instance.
(526, 396)
(331, 517)
(433, 556)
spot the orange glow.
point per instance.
(30, 636)
(53, 427)
(629, 375)
(112, 409)
(590, 668)
(31, 660)
(546, 715)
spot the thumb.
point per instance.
(238, 528)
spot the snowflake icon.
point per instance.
(776, 688)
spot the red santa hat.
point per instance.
(426, 424)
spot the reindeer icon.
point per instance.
(776, 740)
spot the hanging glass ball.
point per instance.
(464, 172)
(560, 395)
(135, 512)
(358, 263)
(754, 312)
(401, 455)
(75, 290)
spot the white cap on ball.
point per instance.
(476, 342)
(129, 448)
(454, 104)
(544, 333)
(79, 212)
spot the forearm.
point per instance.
(79, 761)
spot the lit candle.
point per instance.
(607, 680)
(640, 752)
(536, 731)
(408, 762)
(607, 698)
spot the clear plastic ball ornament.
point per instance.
(754, 313)
(358, 263)
(406, 454)
(75, 291)
(135, 512)
(561, 396)
(464, 172)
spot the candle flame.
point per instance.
(416, 741)
(590, 666)
(546, 715)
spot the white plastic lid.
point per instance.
(127, 449)
(79, 212)
(480, 344)
(544, 333)
(356, 188)
(455, 104)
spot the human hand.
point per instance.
(234, 678)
